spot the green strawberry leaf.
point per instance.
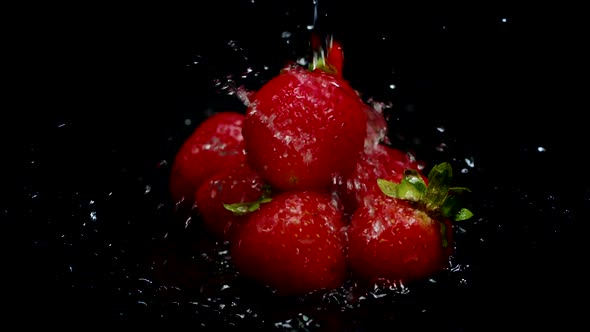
(240, 209)
(409, 191)
(437, 198)
(463, 214)
(411, 187)
(387, 187)
(439, 181)
(412, 175)
(450, 206)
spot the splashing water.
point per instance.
(124, 242)
(213, 288)
(377, 127)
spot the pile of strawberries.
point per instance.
(307, 192)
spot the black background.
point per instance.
(98, 96)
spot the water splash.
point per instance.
(377, 128)
(301, 322)
(229, 87)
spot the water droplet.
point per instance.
(440, 129)
(187, 122)
(147, 281)
(302, 61)
(504, 20)
(470, 162)
(541, 149)
(441, 147)
(392, 86)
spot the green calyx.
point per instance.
(240, 209)
(319, 62)
(437, 197)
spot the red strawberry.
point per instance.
(304, 128)
(405, 233)
(293, 244)
(240, 185)
(380, 161)
(215, 145)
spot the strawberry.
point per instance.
(380, 161)
(293, 244)
(215, 145)
(240, 185)
(405, 233)
(305, 127)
